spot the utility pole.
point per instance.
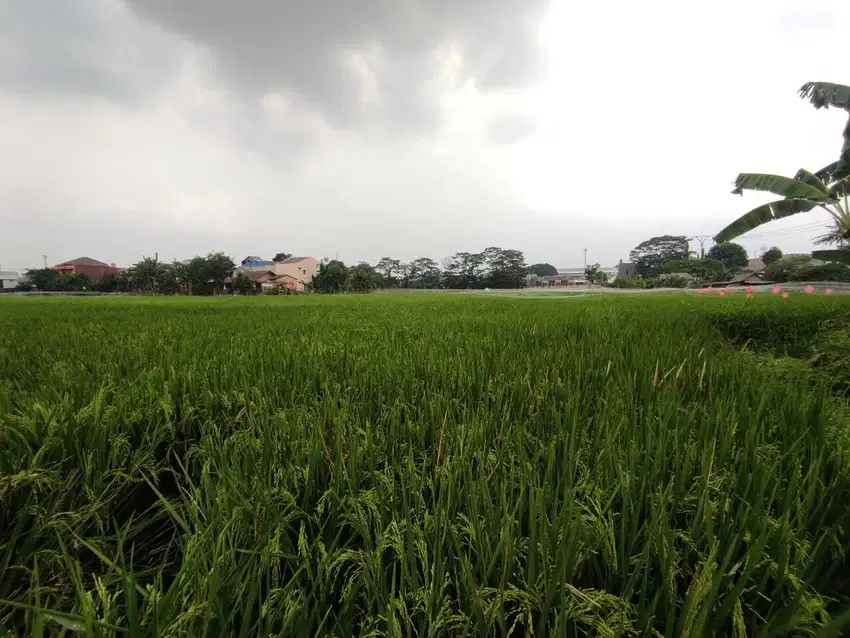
(44, 259)
(701, 239)
(585, 258)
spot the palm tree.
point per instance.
(828, 188)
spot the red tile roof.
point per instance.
(83, 261)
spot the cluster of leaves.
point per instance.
(804, 268)
(197, 276)
(405, 466)
(492, 268)
(667, 261)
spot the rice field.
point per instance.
(421, 466)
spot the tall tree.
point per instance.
(464, 270)
(220, 267)
(242, 285)
(657, 250)
(594, 274)
(542, 270)
(331, 276)
(147, 273)
(733, 256)
(362, 278)
(388, 268)
(424, 273)
(771, 255)
(43, 279)
(506, 268)
(827, 189)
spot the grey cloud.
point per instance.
(84, 47)
(297, 46)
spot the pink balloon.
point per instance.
(775, 290)
(750, 290)
(828, 291)
(809, 289)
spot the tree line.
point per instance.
(196, 276)
(213, 274)
(492, 268)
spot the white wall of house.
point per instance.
(8, 279)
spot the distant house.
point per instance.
(626, 270)
(8, 279)
(264, 280)
(86, 266)
(294, 273)
(301, 269)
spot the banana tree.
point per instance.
(827, 189)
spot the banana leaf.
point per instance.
(779, 185)
(764, 214)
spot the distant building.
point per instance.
(626, 270)
(293, 273)
(87, 266)
(8, 279)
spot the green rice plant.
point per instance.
(441, 465)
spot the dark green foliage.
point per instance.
(733, 256)
(362, 278)
(331, 277)
(242, 285)
(703, 270)
(784, 269)
(821, 272)
(543, 270)
(656, 251)
(493, 268)
(771, 256)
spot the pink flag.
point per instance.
(775, 290)
(809, 289)
(785, 295)
(828, 291)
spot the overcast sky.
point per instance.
(407, 128)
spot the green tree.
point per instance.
(43, 279)
(147, 273)
(733, 256)
(242, 285)
(331, 276)
(388, 267)
(219, 268)
(826, 189)
(362, 278)
(505, 268)
(594, 274)
(784, 269)
(281, 257)
(464, 270)
(771, 256)
(110, 282)
(424, 273)
(542, 270)
(656, 251)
